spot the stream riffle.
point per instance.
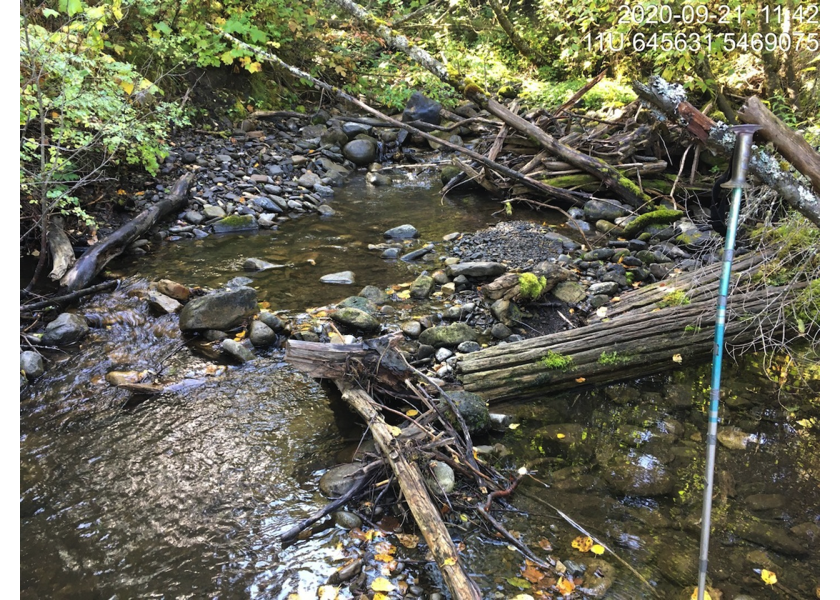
(185, 494)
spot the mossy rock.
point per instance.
(662, 216)
(235, 223)
(473, 409)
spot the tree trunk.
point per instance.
(521, 45)
(704, 70)
(671, 100)
(641, 335)
(788, 142)
(95, 259)
(61, 249)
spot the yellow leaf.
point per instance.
(449, 562)
(378, 596)
(706, 595)
(380, 584)
(412, 412)
(560, 436)
(580, 379)
(597, 549)
(383, 558)
(677, 358)
(404, 295)
(768, 577)
(395, 431)
(327, 592)
(513, 425)
(565, 586)
(582, 543)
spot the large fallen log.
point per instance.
(671, 100)
(95, 259)
(642, 334)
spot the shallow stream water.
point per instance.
(185, 494)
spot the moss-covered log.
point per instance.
(649, 331)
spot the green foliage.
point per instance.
(530, 286)
(662, 216)
(675, 298)
(81, 110)
(613, 358)
(552, 360)
(692, 329)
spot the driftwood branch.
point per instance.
(58, 300)
(94, 260)
(788, 142)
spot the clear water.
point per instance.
(185, 494)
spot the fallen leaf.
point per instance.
(580, 379)
(412, 412)
(768, 577)
(565, 586)
(395, 431)
(560, 436)
(706, 595)
(449, 562)
(597, 549)
(601, 312)
(408, 540)
(532, 574)
(404, 295)
(380, 584)
(545, 544)
(582, 543)
(677, 358)
(616, 299)
(384, 548)
(327, 592)
(513, 425)
(522, 584)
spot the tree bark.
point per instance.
(61, 249)
(521, 45)
(638, 336)
(95, 259)
(788, 142)
(671, 100)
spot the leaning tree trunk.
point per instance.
(95, 259)
(671, 100)
(641, 335)
(788, 143)
(520, 44)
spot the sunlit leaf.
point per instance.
(768, 577)
(449, 561)
(532, 574)
(601, 312)
(395, 431)
(597, 549)
(519, 582)
(706, 595)
(380, 584)
(580, 379)
(327, 592)
(582, 543)
(677, 358)
(560, 436)
(412, 412)
(513, 425)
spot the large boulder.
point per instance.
(473, 409)
(448, 335)
(402, 232)
(358, 319)
(219, 310)
(420, 108)
(604, 209)
(66, 329)
(361, 151)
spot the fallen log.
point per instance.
(671, 100)
(788, 142)
(641, 335)
(94, 260)
(573, 197)
(411, 483)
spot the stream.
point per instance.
(185, 495)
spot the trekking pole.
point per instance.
(738, 181)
